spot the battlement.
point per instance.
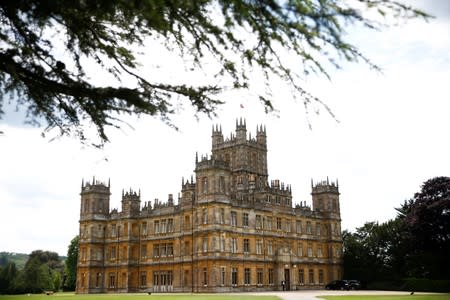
(276, 186)
(240, 136)
(95, 186)
(206, 163)
(325, 186)
(131, 195)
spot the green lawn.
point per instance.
(389, 297)
(71, 296)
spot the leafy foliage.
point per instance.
(48, 48)
(71, 265)
(413, 245)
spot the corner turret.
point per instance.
(325, 196)
(131, 202)
(94, 199)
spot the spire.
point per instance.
(109, 182)
(312, 183)
(196, 157)
(82, 183)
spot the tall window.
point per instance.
(187, 222)
(300, 249)
(308, 228)
(163, 226)
(170, 249)
(269, 248)
(278, 223)
(234, 276)
(222, 243)
(205, 184)
(113, 252)
(247, 276)
(222, 184)
(258, 222)
(144, 251)
(222, 216)
(222, 276)
(301, 276)
(320, 276)
(245, 219)
(233, 218)
(170, 225)
(318, 228)
(234, 245)
(156, 226)
(144, 228)
(310, 250)
(113, 230)
(205, 244)
(259, 246)
(288, 225)
(143, 279)
(271, 281)
(205, 215)
(269, 223)
(205, 276)
(298, 226)
(155, 250)
(319, 251)
(259, 276)
(112, 280)
(311, 276)
(98, 279)
(246, 246)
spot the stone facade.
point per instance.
(231, 230)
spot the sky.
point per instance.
(391, 135)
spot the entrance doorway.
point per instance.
(287, 279)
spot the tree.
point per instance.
(428, 222)
(71, 265)
(241, 36)
(8, 275)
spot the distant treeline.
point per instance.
(38, 272)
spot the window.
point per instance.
(301, 276)
(205, 276)
(222, 216)
(156, 226)
(300, 249)
(320, 276)
(205, 184)
(258, 222)
(163, 226)
(245, 219)
(170, 249)
(259, 246)
(269, 248)
(234, 276)
(311, 276)
(318, 229)
(98, 279)
(319, 251)
(310, 250)
(113, 252)
(205, 244)
(113, 230)
(246, 246)
(234, 245)
(163, 249)
(222, 184)
(271, 276)
(222, 243)
(308, 228)
(222, 276)
(170, 225)
(233, 218)
(288, 225)
(155, 250)
(144, 228)
(143, 279)
(298, 226)
(205, 215)
(112, 280)
(187, 248)
(144, 251)
(278, 223)
(259, 276)
(247, 276)
(269, 223)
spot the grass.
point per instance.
(72, 296)
(390, 297)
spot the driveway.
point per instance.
(312, 294)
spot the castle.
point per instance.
(231, 230)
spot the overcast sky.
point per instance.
(392, 135)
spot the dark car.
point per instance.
(338, 285)
(354, 284)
